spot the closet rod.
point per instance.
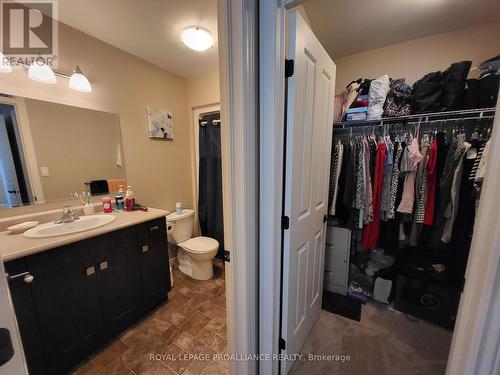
(423, 117)
(406, 123)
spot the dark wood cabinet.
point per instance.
(120, 282)
(84, 294)
(27, 319)
(67, 304)
(154, 258)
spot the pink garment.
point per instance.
(414, 157)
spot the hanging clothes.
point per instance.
(371, 230)
(368, 211)
(421, 194)
(394, 181)
(335, 175)
(451, 211)
(431, 184)
(414, 157)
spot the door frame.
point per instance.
(30, 163)
(475, 324)
(238, 69)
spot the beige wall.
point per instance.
(413, 59)
(203, 90)
(159, 171)
(76, 145)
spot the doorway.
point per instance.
(274, 53)
(15, 190)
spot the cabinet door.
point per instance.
(154, 259)
(22, 299)
(119, 272)
(67, 302)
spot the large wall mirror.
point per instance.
(49, 151)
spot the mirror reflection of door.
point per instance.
(13, 184)
(210, 179)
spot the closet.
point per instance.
(405, 189)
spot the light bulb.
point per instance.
(197, 38)
(41, 72)
(79, 82)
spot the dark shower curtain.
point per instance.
(210, 179)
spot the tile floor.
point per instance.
(193, 321)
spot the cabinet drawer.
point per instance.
(152, 229)
(122, 238)
(48, 262)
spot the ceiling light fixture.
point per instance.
(79, 82)
(4, 64)
(41, 72)
(197, 38)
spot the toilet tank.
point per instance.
(180, 226)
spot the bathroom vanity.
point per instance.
(73, 294)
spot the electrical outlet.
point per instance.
(44, 171)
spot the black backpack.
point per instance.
(441, 91)
(427, 92)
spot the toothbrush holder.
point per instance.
(88, 209)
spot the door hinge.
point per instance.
(282, 343)
(325, 219)
(289, 68)
(285, 222)
(227, 256)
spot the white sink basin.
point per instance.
(81, 225)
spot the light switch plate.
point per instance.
(44, 171)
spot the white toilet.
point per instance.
(194, 254)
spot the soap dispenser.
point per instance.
(129, 199)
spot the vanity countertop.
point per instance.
(13, 246)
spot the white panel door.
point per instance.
(310, 99)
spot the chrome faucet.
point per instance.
(68, 215)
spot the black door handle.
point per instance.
(6, 348)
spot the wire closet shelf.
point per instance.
(423, 118)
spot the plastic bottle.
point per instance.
(106, 205)
(178, 208)
(129, 199)
(119, 199)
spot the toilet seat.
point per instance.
(200, 244)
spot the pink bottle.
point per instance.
(106, 205)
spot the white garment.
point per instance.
(379, 88)
(481, 169)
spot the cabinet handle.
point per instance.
(145, 248)
(154, 228)
(103, 265)
(13, 277)
(28, 279)
(90, 270)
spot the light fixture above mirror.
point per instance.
(40, 71)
